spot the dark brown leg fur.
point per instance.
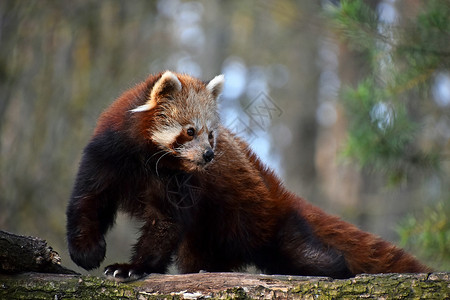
(88, 219)
(152, 253)
(297, 251)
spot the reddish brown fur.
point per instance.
(227, 214)
(364, 252)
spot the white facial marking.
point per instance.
(197, 123)
(209, 125)
(167, 135)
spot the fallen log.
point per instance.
(30, 269)
(226, 286)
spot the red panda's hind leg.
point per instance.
(298, 252)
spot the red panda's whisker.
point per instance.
(156, 166)
(148, 160)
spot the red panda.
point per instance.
(160, 153)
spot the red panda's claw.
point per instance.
(123, 273)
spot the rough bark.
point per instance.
(25, 254)
(20, 254)
(226, 286)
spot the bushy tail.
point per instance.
(364, 252)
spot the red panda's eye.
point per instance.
(190, 131)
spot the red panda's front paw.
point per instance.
(87, 253)
(124, 272)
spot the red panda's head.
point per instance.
(182, 118)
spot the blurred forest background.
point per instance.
(349, 102)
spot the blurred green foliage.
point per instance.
(389, 109)
(429, 235)
(381, 133)
(384, 124)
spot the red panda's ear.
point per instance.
(215, 86)
(165, 86)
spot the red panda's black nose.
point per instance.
(208, 155)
